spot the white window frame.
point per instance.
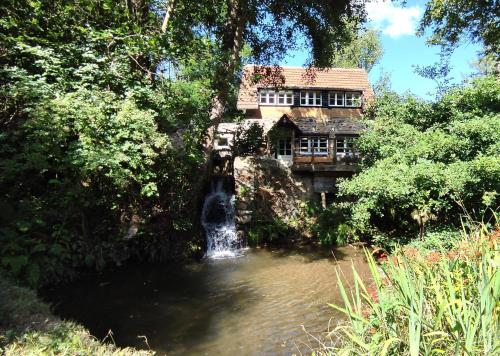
(316, 144)
(308, 144)
(265, 96)
(354, 97)
(307, 95)
(320, 146)
(335, 95)
(347, 147)
(226, 146)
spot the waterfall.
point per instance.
(217, 219)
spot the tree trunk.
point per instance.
(232, 43)
(168, 14)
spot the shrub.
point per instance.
(266, 232)
(420, 159)
(332, 228)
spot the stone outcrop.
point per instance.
(265, 189)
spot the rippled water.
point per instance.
(251, 305)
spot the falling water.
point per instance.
(217, 219)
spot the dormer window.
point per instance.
(273, 97)
(336, 98)
(353, 99)
(310, 98)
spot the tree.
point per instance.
(363, 50)
(455, 20)
(425, 162)
(87, 121)
(270, 29)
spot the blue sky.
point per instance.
(403, 49)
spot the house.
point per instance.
(311, 118)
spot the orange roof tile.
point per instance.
(255, 77)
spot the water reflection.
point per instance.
(254, 304)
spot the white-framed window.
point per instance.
(320, 145)
(336, 98)
(285, 147)
(353, 99)
(222, 142)
(345, 146)
(310, 98)
(316, 145)
(273, 97)
(304, 146)
(285, 97)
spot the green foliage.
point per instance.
(331, 226)
(454, 20)
(436, 158)
(263, 232)
(249, 140)
(89, 146)
(362, 50)
(424, 303)
(28, 328)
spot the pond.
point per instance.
(253, 304)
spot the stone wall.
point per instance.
(266, 189)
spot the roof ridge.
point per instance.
(302, 67)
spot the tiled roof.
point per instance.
(311, 125)
(255, 77)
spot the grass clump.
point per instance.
(424, 302)
(27, 327)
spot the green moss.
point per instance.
(27, 327)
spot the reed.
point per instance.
(424, 303)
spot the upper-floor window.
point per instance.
(336, 98)
(273, 97)
(353, 99)
(347, 99)
(310, 98)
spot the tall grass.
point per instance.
(424, 303)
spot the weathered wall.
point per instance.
(266, 188)
(317, 112)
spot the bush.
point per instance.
(422, 163)
(425, 303)
(332, 228)
(267, 232)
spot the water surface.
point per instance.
(252, 305)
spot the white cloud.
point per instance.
(392, 20)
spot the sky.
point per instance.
(402, 49)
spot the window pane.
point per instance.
(304, 145)
(289, 99)
(340, 145)
(318, 98)
(356, 99)
(348, 99)
(271, 97)
(263, 98)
